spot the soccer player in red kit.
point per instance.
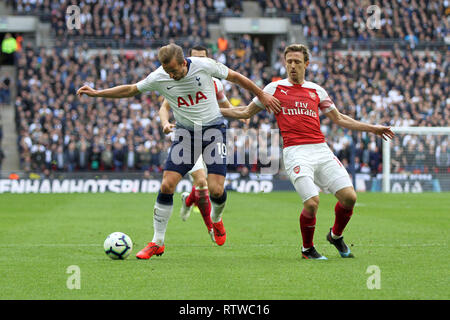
(308, 160)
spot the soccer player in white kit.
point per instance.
(199, 195)
(307, 158)
(188, 86)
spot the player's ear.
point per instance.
(306, 64)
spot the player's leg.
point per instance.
(173, 172)
(309, 193)
(343, 209)
(198, 182)
(199, 178)
(299, 163)
(198, 175)
(189, 199)
(164, 204)
(161, 215)
(199, 196)
(215, 154)
(340, 184)
(218, 197)
(308, 219)
(202, 199)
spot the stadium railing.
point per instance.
(377, 44)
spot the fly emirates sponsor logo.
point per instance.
(300, 108)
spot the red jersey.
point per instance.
(220, 95)
(298, 119)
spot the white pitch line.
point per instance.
(361, 245)
(50, 245)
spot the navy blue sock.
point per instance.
(165, 198)
(220, 199)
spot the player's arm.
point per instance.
(122, 91)
(272, 103)
(244, 112)
(224, 103)
(164, 117)
(222, 100)
(352, 124)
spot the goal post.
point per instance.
(421, 153)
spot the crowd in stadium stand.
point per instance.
(129, 8)
(61, 132)
(58, 131)
(5, 89)
(128, 21)
(367, 88)
(413, 20)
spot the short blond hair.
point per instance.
(298, 48)
(166, 53)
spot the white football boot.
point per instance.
(185, 211)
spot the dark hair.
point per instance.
(199, 48)
(298, 48)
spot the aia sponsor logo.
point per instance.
(190, 101)
(297, 169)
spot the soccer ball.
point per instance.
(118, 246)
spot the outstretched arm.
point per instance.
(245, 112)
(272, 103)
(352, 124)
(164, 117)
(224, 103)
(122, 91)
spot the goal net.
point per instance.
(417, 160)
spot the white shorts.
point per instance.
(317, 162)
(199, 164)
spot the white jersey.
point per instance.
(193, 98)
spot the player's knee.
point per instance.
(167, 187)
(311, 206)
(216, 191)
(201, 183)
(349, 200)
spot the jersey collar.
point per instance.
(189, 61)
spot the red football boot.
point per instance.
(219, 232)
(151, 249)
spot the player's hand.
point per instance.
(87, 91)
(384, 132)
(168, 128)
(272, 104)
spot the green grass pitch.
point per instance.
(405, 235)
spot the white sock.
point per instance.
(217, 211)
(335, 236)
(161, 216)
